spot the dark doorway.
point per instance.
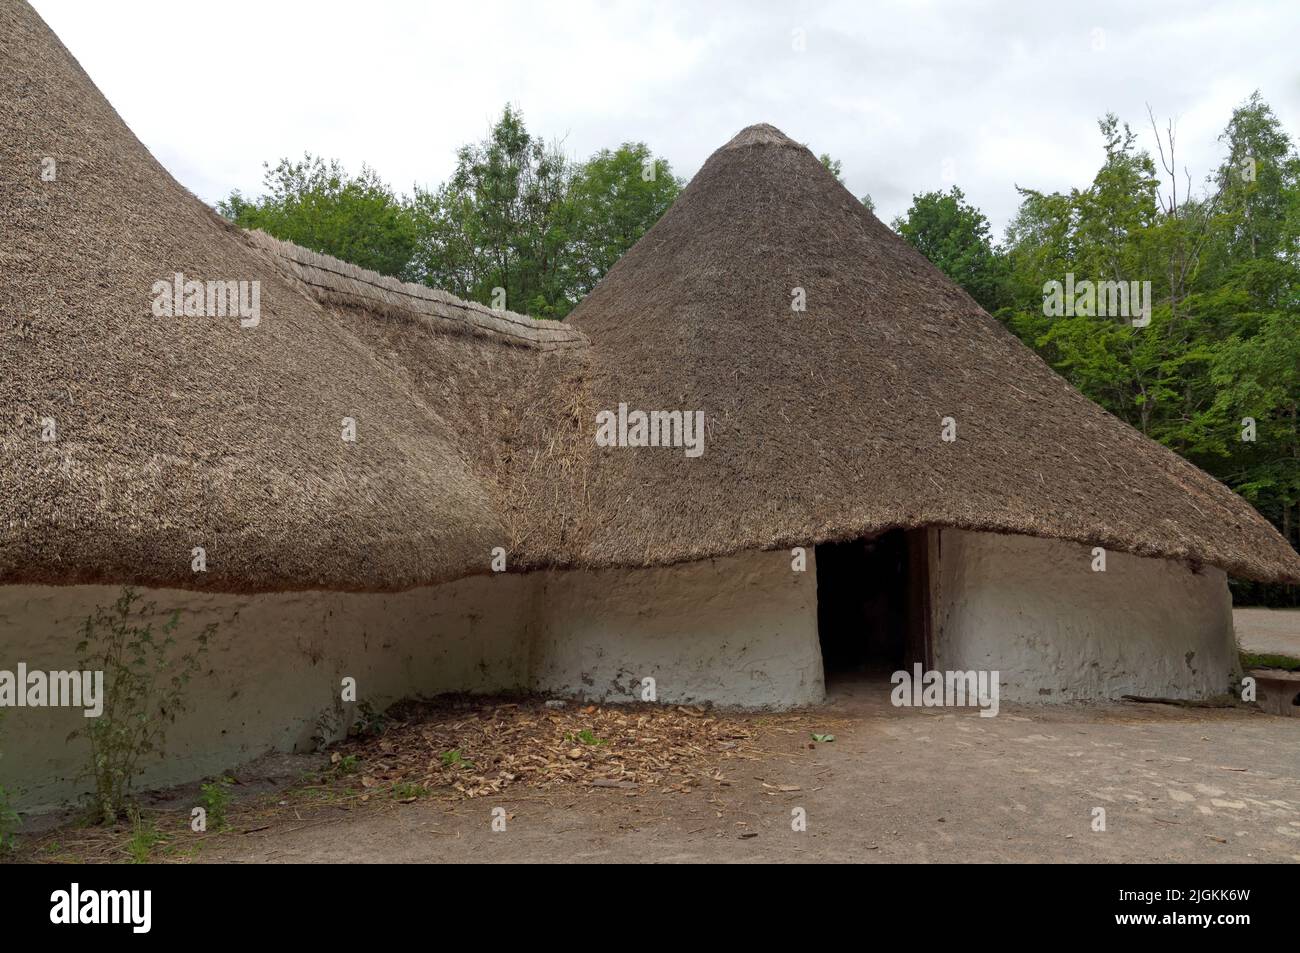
(873, 604)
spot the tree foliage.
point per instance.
(617, 196)
(518, 224)
(316, 204)
(503, 220)
(954, 235)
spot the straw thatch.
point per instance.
(175, 433)
(514, 388)
(475, 427)
(343, 285)
(826, 424)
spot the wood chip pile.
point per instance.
(476, 749)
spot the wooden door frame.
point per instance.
(920, 641)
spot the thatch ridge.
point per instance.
(335, 282)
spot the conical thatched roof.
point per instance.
(826, 424)
(182, 432)
(475, 428)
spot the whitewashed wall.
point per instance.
(737, 631)
(1057, 631)
(271, 680)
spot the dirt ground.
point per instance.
(1177, 784)
(1268, 631)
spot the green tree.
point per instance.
(1113, 217)
(954, 236)
(1258, 184)
(1257, 376)
(504, 220)
(1110, 231)
(518, 216)
(316, 204)
(1249, 293)
(616, 197)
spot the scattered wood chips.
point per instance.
(477, 749)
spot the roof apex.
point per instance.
(761, 134)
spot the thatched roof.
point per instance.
(182, 432)
(826, 424)
(475, 427)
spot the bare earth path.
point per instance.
(896, 785)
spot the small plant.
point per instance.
(345, 764)
(215, 796)
(144, 838)
(586, 736)
(369, 721)
(405, 790)
(145, 687)
(9, 821)
(454, 759)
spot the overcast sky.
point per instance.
(910, 96)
